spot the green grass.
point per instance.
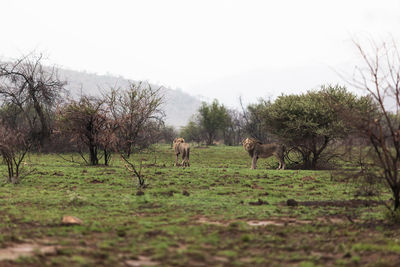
(209, 226)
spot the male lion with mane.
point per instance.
(256, 150)
(180, 147)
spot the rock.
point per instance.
(71, 220)
(292, 203)
(185, 193)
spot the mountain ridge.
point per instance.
(178, 106)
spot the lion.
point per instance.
(256, 150)
(180, 147)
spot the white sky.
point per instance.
(218, 49)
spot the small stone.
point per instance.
(71, 220)
(185, 193)
(292, 202)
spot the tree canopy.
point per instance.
(308, 122)
(213, 118)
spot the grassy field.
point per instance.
(218, 212)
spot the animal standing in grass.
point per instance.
(180, 147)
(256, 150)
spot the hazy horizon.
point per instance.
(214, 49)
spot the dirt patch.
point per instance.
(333, 220)
(278, 222)
(205, 220)
(282, 221)
(180, 247)
(326, 255)
(141, 261)
(26, 250)
(246, 260)
(353, 203)
(308, 178)
(220, 259)
(153, 233)
(294, 221)
(169, 193)
(255, 186)
(265, 223)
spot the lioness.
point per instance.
(180, 147)
(256, 150)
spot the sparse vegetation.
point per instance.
(218, 211)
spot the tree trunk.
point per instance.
(10, 171)
(396, 195)
(314, 161)
(93, 155)
(45, 131)
(306, 160)
(107, 157)
(210, 139)
(129, 151)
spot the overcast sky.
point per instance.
(217, 49)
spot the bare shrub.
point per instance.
(138, 119)
(32, 90)
(14, 145)
(137, 112)
(378, 120)
(86, 123)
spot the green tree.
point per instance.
(168, 134)
(192, 132)
(254, 123)
(213, 118)
(234, 132)
(308, 123)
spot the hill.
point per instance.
(179, 106)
